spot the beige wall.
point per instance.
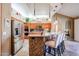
(76, 29)
(0, 29)
(6, 29)
(65, 23)
(19, 16)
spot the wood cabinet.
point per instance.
(33, 26)
(36, 46)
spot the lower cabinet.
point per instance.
(36, 46)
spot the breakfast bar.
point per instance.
(36, 45)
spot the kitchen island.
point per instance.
(37, 42)
(36, 45)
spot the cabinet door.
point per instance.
(76, 30)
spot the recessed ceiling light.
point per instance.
(54, 10)
(56, 6)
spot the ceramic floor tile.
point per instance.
(25, 50)
(72, 49)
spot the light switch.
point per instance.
(4, 33)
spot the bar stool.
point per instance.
(54, 45)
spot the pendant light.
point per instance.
(34, 9)
(49, 11)
(49, 19)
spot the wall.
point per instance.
(76, 29)
(0, 29)
(17, 15)
(65, 23)
(6, 29)
(17, 22)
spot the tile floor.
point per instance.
(72, 49)
(25, 50)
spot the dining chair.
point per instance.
(62, 45)
(53, 45)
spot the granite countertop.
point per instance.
(39, 35)
(34, 35)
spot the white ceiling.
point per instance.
(68, 9)
(22, 8)
(28, 9)
(40, 9)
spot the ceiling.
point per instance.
(68, 9)
(41, 9)
(21, 8)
